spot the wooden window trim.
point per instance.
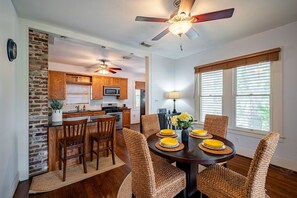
(263, 56)
(139, 85)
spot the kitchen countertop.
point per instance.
(91, 119)
(69, 112)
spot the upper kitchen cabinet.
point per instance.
(107, 81)
(56, 85)
(123, 88)
(97, 88)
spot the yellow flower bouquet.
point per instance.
(183, 121)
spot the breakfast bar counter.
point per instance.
(55, 132)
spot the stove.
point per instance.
(113, 110)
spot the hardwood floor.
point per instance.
(280, 182)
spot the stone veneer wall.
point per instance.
(38, 102)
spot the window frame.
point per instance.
(228, 101)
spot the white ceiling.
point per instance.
(78, 53)
(113, 20)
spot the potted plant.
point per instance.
(57, 110)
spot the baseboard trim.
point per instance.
(14, 185)
(276, 161)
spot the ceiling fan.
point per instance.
(103, 68)
(181, 23)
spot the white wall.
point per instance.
(161, 81)
(8, 137)
(284, 37)
(132, 77)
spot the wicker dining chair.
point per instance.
(149, 179)
(104, 136)
(216, 125)
(218, 181)
(150, 126)
(73, 138)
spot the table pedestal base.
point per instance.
(191, 171)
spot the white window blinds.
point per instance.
(78, 94)
(253, 97)
(211, 92)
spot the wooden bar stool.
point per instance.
(105, 134)
(74, 137)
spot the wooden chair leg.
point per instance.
(79, 151)
(92, 142)
(107, 150)
(112, 152)
(60, 156)
(84, 160)
(64, 164)
(97, 156)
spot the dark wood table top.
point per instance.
(191, 153)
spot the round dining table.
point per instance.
(190, 156)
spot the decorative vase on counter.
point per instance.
(57, 115)
(185, 136)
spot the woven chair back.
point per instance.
(259, 166)
(105, 128)
(150, 124)
(75, 130)
(143, 176)
(216, 125)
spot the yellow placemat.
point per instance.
(180, 147)
(200, 137)
(226, 151)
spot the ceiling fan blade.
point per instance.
(222, 14)
(150, 19)
(97, 70)
(114, 68)
(192, 34)
(186, 6)
(94, 65)
(163, 33)
(111, 71)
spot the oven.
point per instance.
(111, 91)
(119, 117)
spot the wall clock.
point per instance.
(11, 50)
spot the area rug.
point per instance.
(125, 190)
(53, 179)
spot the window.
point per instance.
(78, 94)
(211, 93)
(137, 98)
(252, 97)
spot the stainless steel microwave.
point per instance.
(111, 91)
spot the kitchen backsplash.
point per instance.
(94, 104)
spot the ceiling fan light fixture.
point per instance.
(103, 71)
(180, 27)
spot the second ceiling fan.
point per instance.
(103, 68)
(181, 23)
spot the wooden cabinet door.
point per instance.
(107, 81)
(56, 85)
(123, 89)
(126, 118)
(116, 82)
(97, 88)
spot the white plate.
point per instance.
(199, 135)
(169, 146)
(167, 133)
(218, 149)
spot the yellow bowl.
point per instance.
(216, 144)
(200, 132)
(167, 131)
(169, 141)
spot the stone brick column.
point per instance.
(38, 102)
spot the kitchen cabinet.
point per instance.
(97, 88)
(126, 118)
(124, 88)
(116, 82)
(107, 81)
(78, 79)
(56, 85)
